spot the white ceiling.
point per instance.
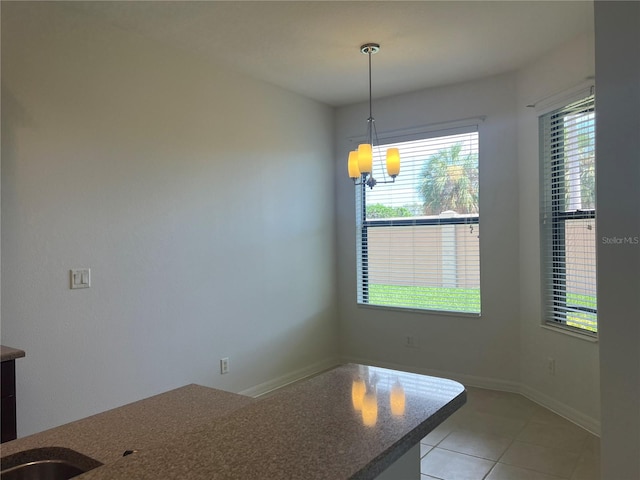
(313, 47)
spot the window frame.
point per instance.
(363, 225)
(553, 234)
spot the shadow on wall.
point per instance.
(14, 110)
(287, 348)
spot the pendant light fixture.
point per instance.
(360, 163)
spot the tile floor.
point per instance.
(505, 436)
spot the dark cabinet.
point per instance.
(8, 394)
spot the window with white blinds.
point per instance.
(418, 238)
(568, 216)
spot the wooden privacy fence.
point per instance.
(448, 256)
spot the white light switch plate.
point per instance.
(80, 277)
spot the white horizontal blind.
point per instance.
(568, 216)
(418, 238)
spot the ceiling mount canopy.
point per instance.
(370, 48)
(360, 163)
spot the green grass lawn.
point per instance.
(584, 320)
(466, 300)
(430, 298)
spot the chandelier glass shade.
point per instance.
(360, 161)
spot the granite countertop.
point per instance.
(315, 429)
(8, 353)
(138, 425)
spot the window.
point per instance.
(418, 238)
(568, 216)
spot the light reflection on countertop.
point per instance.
(365, 397)
(375, 389)
(397, 399)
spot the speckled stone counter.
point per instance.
(322, 428)
(8, 353)
(137, 426)
(351, 422)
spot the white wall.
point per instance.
(202, 201)
(481, 350)
(618, 192)
(574, 389)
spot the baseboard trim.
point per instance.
(291, 377)
(585, 421)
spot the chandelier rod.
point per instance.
(370, 98)
(370, 49)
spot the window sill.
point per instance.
(565, 331)
(420, 310)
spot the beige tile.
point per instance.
(505, 404)
(548, 447)
(592, 444)
(448, 465)
(468, 404)
(424, 449)
(476, 395)
(588, 467)
(552, 461)
(437, 435)
(492, 423)
(543, 415)
(564, 436)
(460, 417)
(509, 472)
(483, 445)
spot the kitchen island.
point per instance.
(351, 422)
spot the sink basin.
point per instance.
(48, 463)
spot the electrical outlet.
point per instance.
(551, 366)
(224, 365)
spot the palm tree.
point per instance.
(450, 181)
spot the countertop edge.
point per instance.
(10, 353)
(396, 451)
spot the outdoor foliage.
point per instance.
(586, 182)
(450, 181)
(378, 210)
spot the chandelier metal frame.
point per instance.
(367, 178)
